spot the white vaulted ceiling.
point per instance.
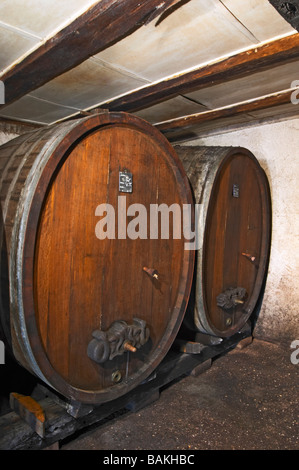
(197, 33)
(25, 24)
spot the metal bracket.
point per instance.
(118, 339)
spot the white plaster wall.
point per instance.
(10, 129)
(276, 146)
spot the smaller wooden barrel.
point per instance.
(232, 195)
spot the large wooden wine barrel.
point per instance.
(91, 312)
(232, 194)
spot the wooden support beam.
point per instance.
(30, 411)
(96, 29)
(195, 120)
(257, 59)
(288, 10)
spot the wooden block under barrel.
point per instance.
(29, 410)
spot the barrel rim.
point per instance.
(43, 368)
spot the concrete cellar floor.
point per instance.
(246, 400)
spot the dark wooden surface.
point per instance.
(288, 10)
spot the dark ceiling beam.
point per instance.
(96, 29)
(195, 120)
(288, 10)
(256, 59)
